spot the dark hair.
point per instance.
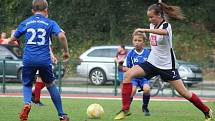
(122, 46)
(167, 11)
(39, 5)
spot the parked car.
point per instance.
(97, 64)
(13, 58)
(190, 73)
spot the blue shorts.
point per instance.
(166, 75)
(120, 75)
(139, 82)
(29, 72)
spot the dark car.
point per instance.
(13, 62)
(190, 73)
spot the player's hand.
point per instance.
(139, 30)
(55, 61)
(66, 57)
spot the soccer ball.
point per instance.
(95, 111)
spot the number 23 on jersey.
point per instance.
(36, 34)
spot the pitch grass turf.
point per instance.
(76, 108)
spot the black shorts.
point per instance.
(165, 74)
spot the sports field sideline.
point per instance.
(107, 97)
(162, 108)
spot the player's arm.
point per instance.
(15, 36)
(62, 37)
(53, 58)
(12, 39)
(154, 31)
(63, 40)
(18, 33)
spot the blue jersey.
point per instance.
(37, 30)
(134, 58)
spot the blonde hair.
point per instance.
(167, 11)
(39, 5)
(142, 34)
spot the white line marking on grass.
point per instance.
(109, 98)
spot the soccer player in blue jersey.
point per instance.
(134, 57)
(37, 30)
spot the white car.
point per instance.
(97, 64)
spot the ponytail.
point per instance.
(172, 11)
(167, 11)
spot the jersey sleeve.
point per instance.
(167, 26)
(56, 29)
(147, 53)
(20, 30)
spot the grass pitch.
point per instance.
(76, 109)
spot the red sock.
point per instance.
(126, 95)
(37, 91)
(198, 103)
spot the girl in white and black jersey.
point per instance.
(161, 60)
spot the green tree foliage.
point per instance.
(101, 22)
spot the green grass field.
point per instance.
(76, 108)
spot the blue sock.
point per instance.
(146, 99)
(56, 99)
(27, 93)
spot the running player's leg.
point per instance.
(135, 71)
(144, 69)
(146, 97)
(28, 74)
(174, 78)
(134, 89)
(39, 85)
(192, 97)
(47, 76)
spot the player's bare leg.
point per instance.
(134, 89)
(193, 98)
(135, 71)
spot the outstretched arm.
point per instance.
(12, 39)
(154, 31)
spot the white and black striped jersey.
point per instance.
(162, 55)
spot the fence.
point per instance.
(11, 74)
(72, 83)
